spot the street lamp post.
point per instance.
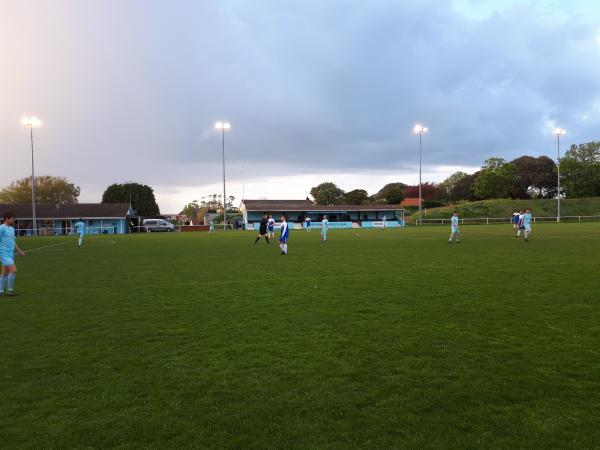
(223, 126)
(558, 132)
(420, 129)
(32, 122)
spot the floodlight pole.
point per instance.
(33, 215)
(558, 175)
(224, 198)
(420, 158)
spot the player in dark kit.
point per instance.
(262, 229)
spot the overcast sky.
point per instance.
(315, 90)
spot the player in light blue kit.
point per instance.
(80, 230)
(7, 255)
(284, 233)
(527, 224)
(324, 228)
(455, 232)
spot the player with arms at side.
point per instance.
(80, 230)
(527, 224)
(8, 245)
(284, 233)
(454, 231)
(307, 222)
(520, 226)
(515, 220)
(271, 227)
(324, 228)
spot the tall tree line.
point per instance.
(522, 178)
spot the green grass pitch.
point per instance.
(377, 339)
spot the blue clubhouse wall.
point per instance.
(333, 225)
(379, 224)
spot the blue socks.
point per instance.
(3, 281)
(11, 281)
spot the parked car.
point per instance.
(157, 225)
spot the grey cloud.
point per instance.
(130, 90)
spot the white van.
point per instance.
(150, 225)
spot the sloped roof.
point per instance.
(338, 208)
(68, 210)
(278, 205)
(308, 206)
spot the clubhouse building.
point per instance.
(99, 218)
(339, 216)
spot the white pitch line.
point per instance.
(75, 247)
(35, 249)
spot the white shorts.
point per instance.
(528, 228)
(454, 229)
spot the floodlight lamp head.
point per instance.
(420, 129)
(31, 121)
(222, 125)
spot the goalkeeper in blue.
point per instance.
(80, 231)
(454, 231)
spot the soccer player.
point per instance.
(262, 229)
(527, 224)
(307, 223)
(515, 220)
(284, 233)
(454, 231)
(520, 224)
(80, 230)
(211, 227)
(271, 227)
(7, 255)
(384, 220)
(324, 228)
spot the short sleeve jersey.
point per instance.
(284, 231)
(7, 240)
(80, 227)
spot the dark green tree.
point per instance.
(356, 197)
(496, 179)
(463, 189)
(49, 189)
(327, 194)
(580, 170)
(141, 197)
(450, 186)
(536, 177)
(393, 193)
